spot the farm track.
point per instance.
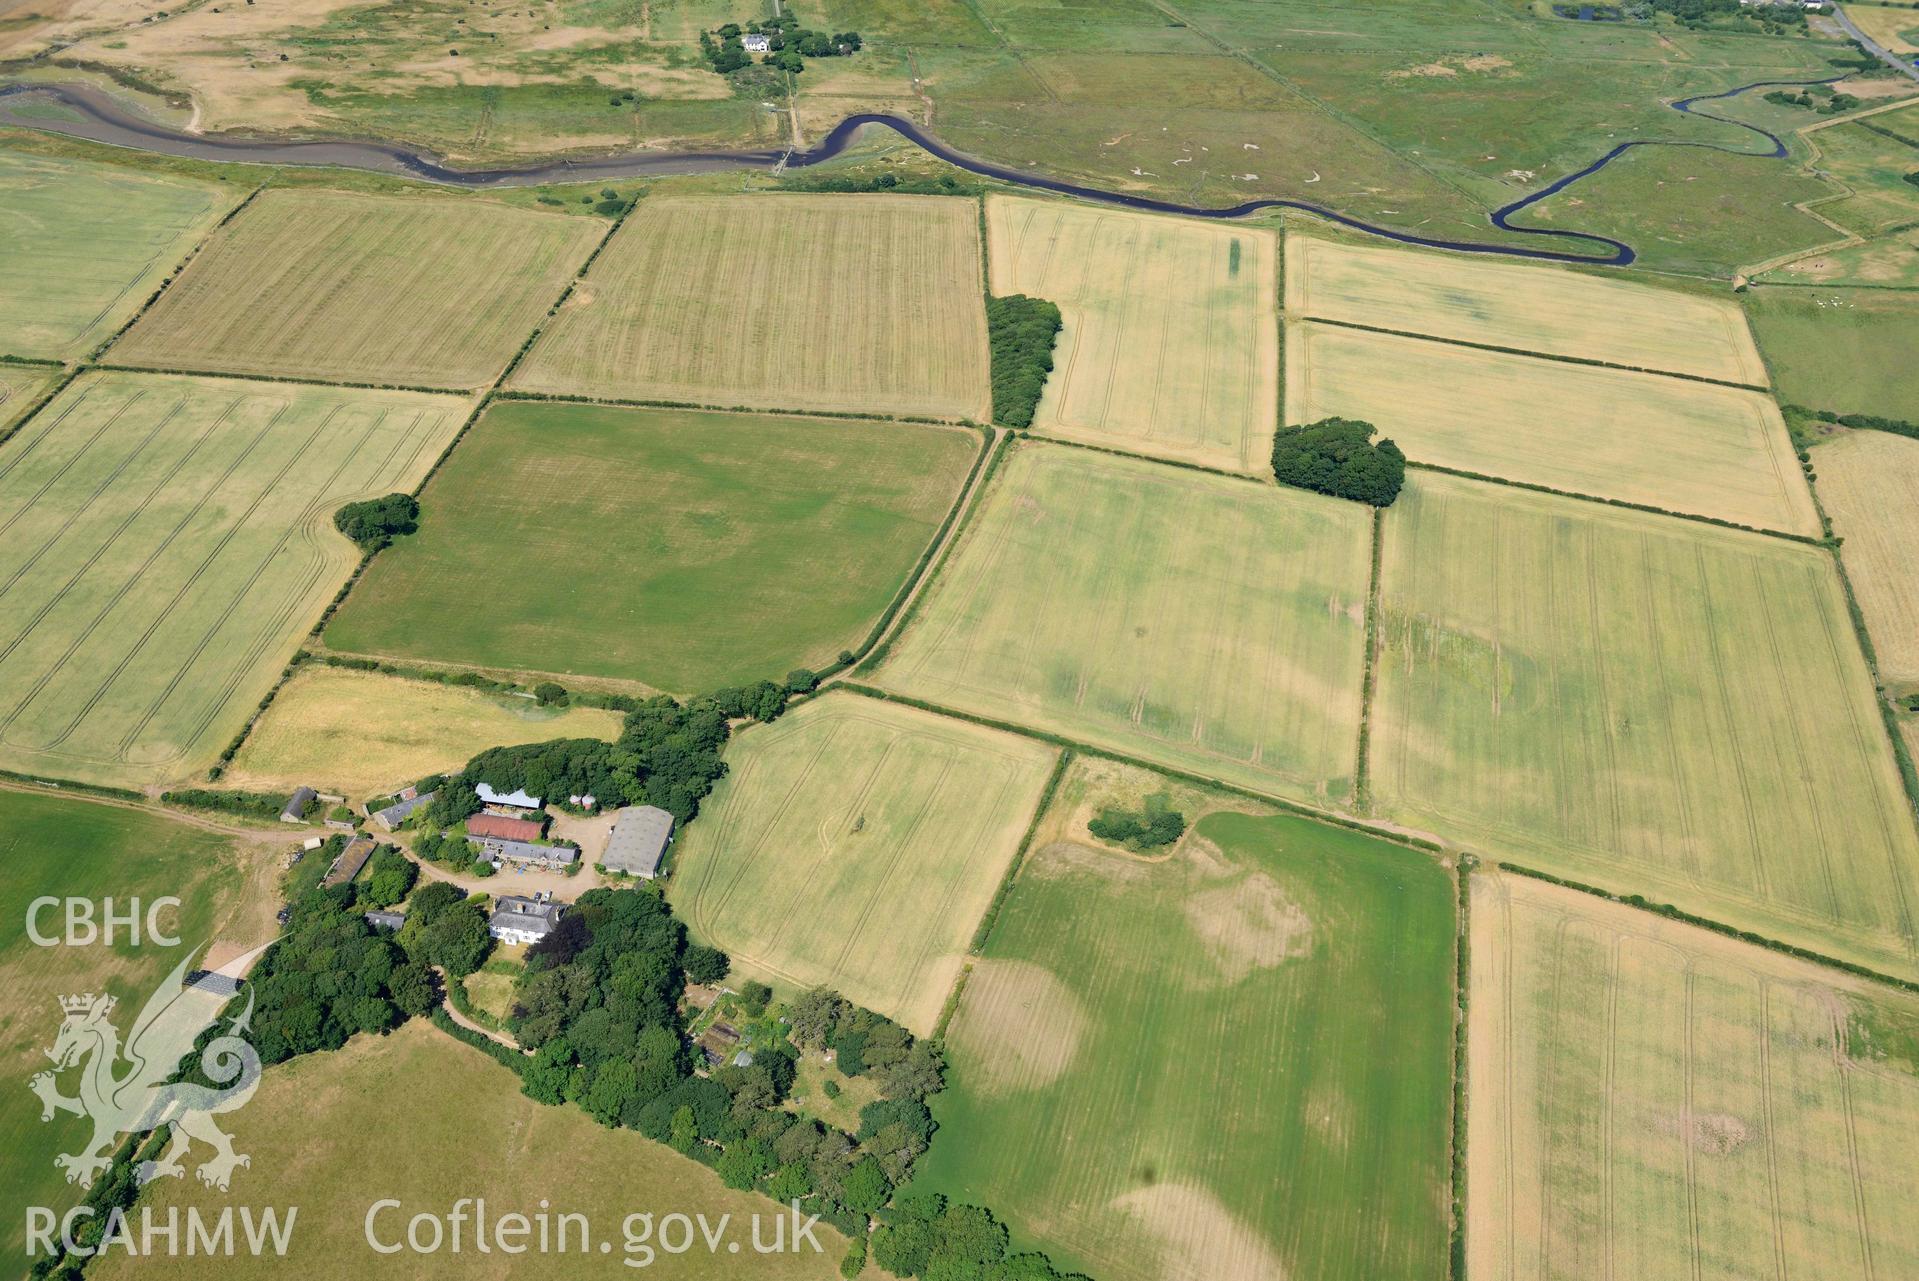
(103, 121)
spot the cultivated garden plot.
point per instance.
(1170, 341)
(87, 850)
(411, 291)
(856, 844)
(21, 387)
(1235, 1059)
(86, 243)
(1869, 482)
(357, 732)
(1553, 310)
(1652, 706)
(165, 542)
(1671, 443)
(855, 304)
(679, 549)
(1197, 621)
(1651, 1099)
(455, 1124)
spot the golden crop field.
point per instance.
(856, 844)
(357, 732)
(1894, 26)
(1198, 621)
(450, 1123)
(1671, 443)
(1170, 342)
(21, 387)
(164, 542)
(422, 291)
(856, 304)
(86, 243)
(1652, 706)
(1649, 1099)
(1869, 482)
(1527, 307)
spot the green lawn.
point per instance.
(1233, 1064)
(1844, 350)
(682, 550)
(50, 846)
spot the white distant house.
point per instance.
(517, 919)
(757, 43)
(637, 844)
(518, 800)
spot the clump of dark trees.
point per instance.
(1859, 422)
(1338, 456)
(1154, 825)
(1021, 331)
(789, 45)
(1823, 99)
(375, 522)
(332, 974)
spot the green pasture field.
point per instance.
(423, 291)
(21, 387)
(1844, 350)
(1872, 157)
(1170, 342)
(52, 846)
(855, 304)
(856, 844)
(1652, 706)
(1651, 1099)
(1233, 1063)
(1619, 320)
(167, 541)
(1671, 443)
(453, 1124)
(1692, 211)
(680, 549)
(86, 244)
(1199, 621)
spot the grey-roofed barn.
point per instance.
(398, 812)
(638, 841)
(501, 850)
(385, 920)
(296, 806)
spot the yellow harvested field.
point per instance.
(1670, 443)
(21, 387)
(358, 732)
(1894, 26)
(857, 844)
(1169, 344)
(418, 291)
(1869, 482)
(1650, 1099)
(1554, 310)
(854, 304)
(1198, 621)
(1653, 706)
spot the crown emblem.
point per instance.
(83, 1002)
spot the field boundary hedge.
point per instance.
(1369, 679)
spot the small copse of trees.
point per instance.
(1338, 456)
(1154, 825)
(1021, 331)
(375, 522)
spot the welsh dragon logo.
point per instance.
(125, 1089)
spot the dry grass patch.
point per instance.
(1650, 1099)
(867, 304)
(1652, 706)
(1170, 343)
(86, 243)
(166, 542)
(1198, 621)
(21, 387)
(856, 844)
(1869, 481)
(1021, 1023)
(359, 732)
(1894, 26)
(451, 1123)
(1670, 443)
(417, 291)
(1553, 310)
